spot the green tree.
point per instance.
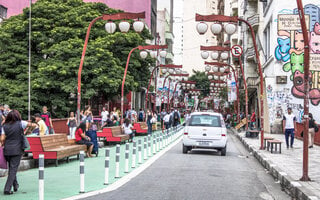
(58, 31)
(202, 82)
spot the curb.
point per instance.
(288, 184)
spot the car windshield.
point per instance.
(205, 120)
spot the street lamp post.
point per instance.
(235, 77)
(305, 176)
(230, 29)
(215, 55)
(143, 55)
(169, 66)
(110, 27)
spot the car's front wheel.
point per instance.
(224, 151)
(184, 149)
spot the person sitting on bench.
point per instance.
(81, 138)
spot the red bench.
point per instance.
(112, 134)
(140, 128)
(53, 147)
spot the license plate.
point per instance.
(204, 143)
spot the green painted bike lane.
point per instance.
(64, 181)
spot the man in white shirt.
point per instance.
(166, 121)
(289, 126)
(104, 116)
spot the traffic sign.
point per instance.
(236, 50)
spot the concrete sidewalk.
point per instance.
(287, 166)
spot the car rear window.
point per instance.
(205, 120)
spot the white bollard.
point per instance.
(139, 152)
(41, 177)
(161, 144)
(106, 167)
(149, 145)
(134, 152)
(154, 145)
(158, 143)
(81, 171)
(145, 156)
(126, 168)
(117, 175)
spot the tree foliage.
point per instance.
(58, 32)
(202, 82)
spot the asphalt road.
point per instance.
(201, 175)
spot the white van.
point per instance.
(205, 130)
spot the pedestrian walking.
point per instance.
(72, 124)
(141, 115)
(162, 114)
(166, 121)
(148, 120)
(289, 127)
(12, 140)
(313, 128)
(47, 119)
(104, 116)
(89, 116)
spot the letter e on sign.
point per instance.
(236, 50)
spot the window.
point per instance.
(3, 12)
(205, 120)
(266, 37)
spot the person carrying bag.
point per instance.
(14, 143)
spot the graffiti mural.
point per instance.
(289, 50)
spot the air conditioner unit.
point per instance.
(281, 79)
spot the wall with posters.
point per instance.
(282, 43)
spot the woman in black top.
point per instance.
(12, 139)
(312, 131)
(148, 118)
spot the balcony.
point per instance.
(169, 36)
(254, 21)
(250, 54)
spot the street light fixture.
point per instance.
(110, 28)
(230, 30)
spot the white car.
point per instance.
(205, 130)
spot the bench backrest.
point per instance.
(143, 125)
(52, 141)
(116, 130)
(47, 142)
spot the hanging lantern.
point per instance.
(216, 29)
(216, 77)
(164, 70)
(138, 26)
(222, 69)
(207, 68)
(202, 28)
(215, 69)
(193, 86)
(214, 55)
(124, 26)
(230, 29)
(171, 70)
(221, 78)
(110, 27)
(143, 54)
(204, 54)
(224, 55)
(163, 53)
(210, 77)
(153, 54)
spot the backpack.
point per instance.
(176, 116)
(140, 115)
